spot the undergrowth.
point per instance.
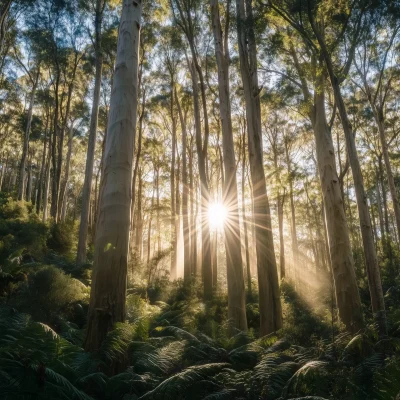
(172, 345)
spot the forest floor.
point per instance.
(172, 345)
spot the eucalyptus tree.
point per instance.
(33, 79)
(268, 285)
(376, 69)
(236, 290)
(303, 71)
(98, 12)
(108, 293)
(315, 25)
(187, 16)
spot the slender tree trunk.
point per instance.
(245, 227)
(39, 196)
(158, 223)
(177, 203)
(149, 228)
(4, 166)
(269, 294)
(295, 247)
(193, 229)
(139, 223)
(373, 273)
(63, 194)
(87, 185)
(214, 259)
(138, 157)
(174, 241)
(236, 289)
(29, 183)
(21, 183)
(47, 174)
(205, 230)
(380, 213)
(185, 195)
(108, 293)
(54, 175)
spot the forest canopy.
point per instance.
(199, 199)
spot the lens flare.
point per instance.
(217, 214)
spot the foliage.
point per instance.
(47, 292)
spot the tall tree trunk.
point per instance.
(47, 174)
(295, 247)
(234, 264)
(39, 195)
(21, 183)
(139, 223)
(185, 194)
(29, 183)
(138, 156)
(193, 229)
(108, 293)
(205, 230)
(347, 295)
(63, 194)
(245, 227)
(174, 233)
(373, 273)
(269, 294)
(177, 202)
(54, 181)
(87, 185)
(158, 223)
(3, 171)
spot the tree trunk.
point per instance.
(139, 222)
(295, 247)
(138, 157)
(269, 294)
(373, 273)
(4, 10)
(87, 185)
(347, 295)
(193, 228)
(108, 293)
(63, 194)
(245, 228)
(21, 183)
(205, 230)
(29, 183)
(174, 241)
(158, 224)
(185, 195)
(3, 171)
(47, 174)
(236, 289)
(39, 195)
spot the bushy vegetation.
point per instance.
(173, 345)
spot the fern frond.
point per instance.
(175, 386)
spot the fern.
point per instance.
(175, 387)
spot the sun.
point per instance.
(217, 214)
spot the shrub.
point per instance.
(22, 235)
(48, 293)
(62, 238)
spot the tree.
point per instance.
(269, 295)
(107, 297)
(236, 291)
(87, 186)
